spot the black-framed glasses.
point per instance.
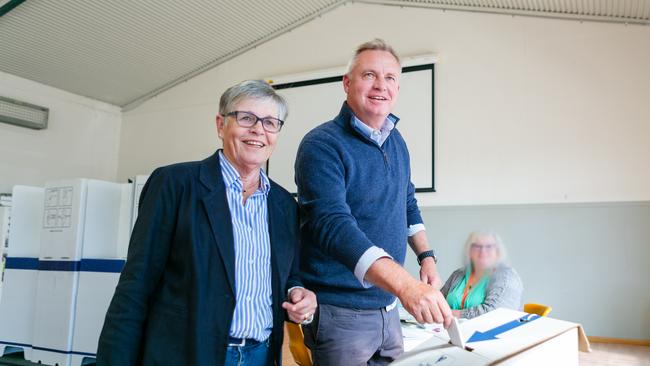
(248, 119)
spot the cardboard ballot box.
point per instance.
(504, 337)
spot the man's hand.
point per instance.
(422, 301)
(429, 273)
(425, 303)
(301, 305)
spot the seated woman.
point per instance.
(485, 283)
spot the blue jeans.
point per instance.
(249, 355)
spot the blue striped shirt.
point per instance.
(378, 136)
(253, 316)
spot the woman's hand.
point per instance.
(301, 305)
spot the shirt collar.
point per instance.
(232, 179)
(367, 131)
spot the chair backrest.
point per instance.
(299, 351)
(539, 309)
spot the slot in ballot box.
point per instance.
(504, 337)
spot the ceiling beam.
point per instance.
(9, 6)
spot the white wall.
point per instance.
(528, 110)
(81, 140)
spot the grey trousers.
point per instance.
(351, 337)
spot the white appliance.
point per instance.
(20, 277)
(77, 267)
(98, 276)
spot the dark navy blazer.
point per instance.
(175, 299)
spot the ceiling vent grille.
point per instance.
(23, 114)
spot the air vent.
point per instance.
(23, 114)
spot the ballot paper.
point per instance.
(455, 335)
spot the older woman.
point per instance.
(213, 253)
(485, 282)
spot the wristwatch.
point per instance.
(426, 254)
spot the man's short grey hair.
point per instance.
(473, 238)
(376, 44)
(252, 89)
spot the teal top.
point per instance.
(475, 295)
(504, 289)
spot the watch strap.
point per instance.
(426, 254)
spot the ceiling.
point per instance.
(124, 52)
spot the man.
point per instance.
(213, 253)
(358, 210)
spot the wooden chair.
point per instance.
(539, 309)
(299, 351)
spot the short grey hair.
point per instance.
(376, 44)
(252, 89)
(473, 238)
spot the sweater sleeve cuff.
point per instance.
(416, 228)
(291, 289)
(365, 261)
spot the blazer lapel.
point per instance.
(277, 217)
(218, 212)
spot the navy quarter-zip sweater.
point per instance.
(353, 194)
